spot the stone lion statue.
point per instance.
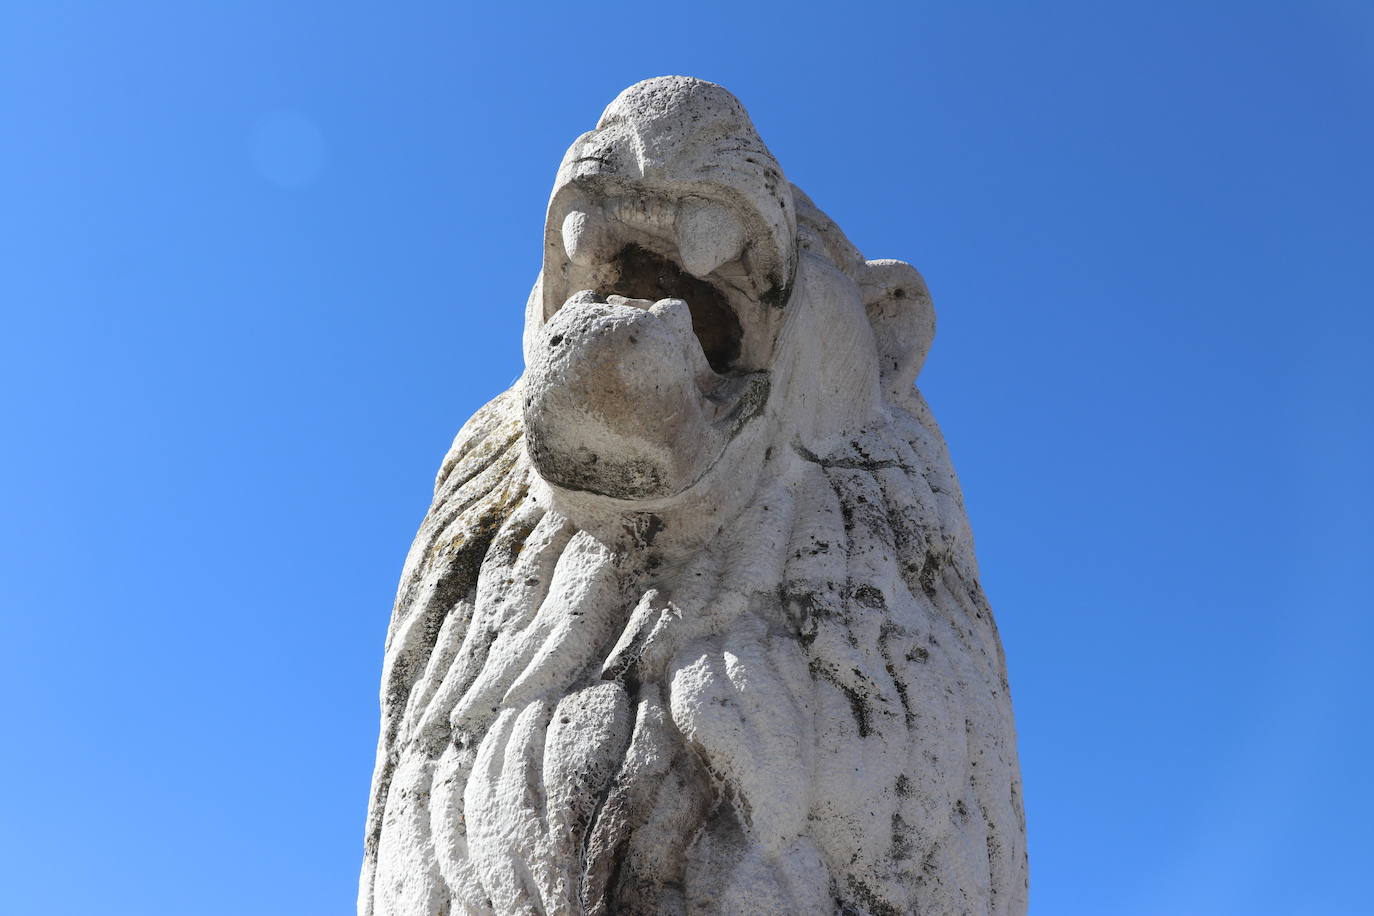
(693, 625)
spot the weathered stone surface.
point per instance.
(694, 625)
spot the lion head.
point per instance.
(693, 624)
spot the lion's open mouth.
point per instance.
(644, 274)
(650, 245)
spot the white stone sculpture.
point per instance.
(693, 625)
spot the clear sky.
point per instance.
(259, 261)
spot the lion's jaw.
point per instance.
(641, 378)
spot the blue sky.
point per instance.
(259, 261)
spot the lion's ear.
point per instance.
(903, 319)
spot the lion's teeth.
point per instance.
(708, 235)
(632, 303)
(676, 313)
(582, 297)
(585, 238)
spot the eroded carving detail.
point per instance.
(694, 624)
